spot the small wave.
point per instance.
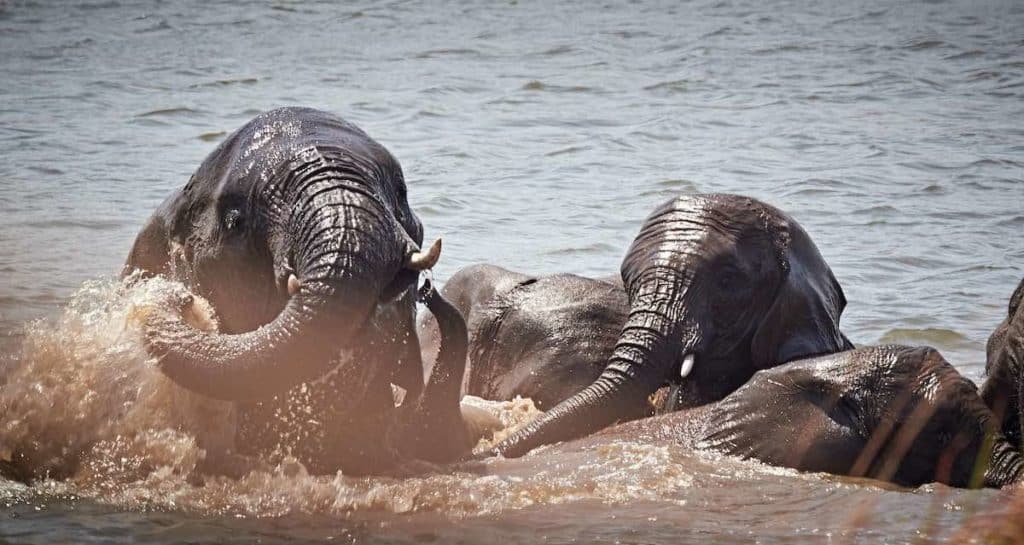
(784, 48)
(159, 26)
(721, 31)
(969, 54)
(211, 136)
(942, 337)
(670, 87)
(225, 82)
(567, 151)
(597, 248)
(918, 44)
(884, 210)
(170, 112)
(448, 52)
(557, 51)
(536, 85)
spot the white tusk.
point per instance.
(419, 261)
(687, 366)
(293, 285)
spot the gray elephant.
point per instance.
(297, 229)
(545, 338)
(894, 413)
(719, 286)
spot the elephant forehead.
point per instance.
(277, 139)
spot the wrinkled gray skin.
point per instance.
(728, 279)
(893, 413)
(298, 231)
(545, 338)
(1005, 368)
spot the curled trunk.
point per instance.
(635, 370)
(343, 244)
(433, 428)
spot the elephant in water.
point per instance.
(545, 338)
(894, 413)
(718, 287)
(297, 229)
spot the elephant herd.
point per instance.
(722, 331)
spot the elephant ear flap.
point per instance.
(803, 321)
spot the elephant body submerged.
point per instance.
(893, 413)
(297, 229)
(718, 287)
(544, 338)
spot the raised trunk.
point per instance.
(345, 246)
(444, 387)
(433, 429)
(638, 366)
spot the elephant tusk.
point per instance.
(419, 261)
(293, 285)
(687, 366)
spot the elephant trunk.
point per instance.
(345, 245)
(1006, 465)
(638, 366)
(444, 387)
(1001, 391)
(434, 429)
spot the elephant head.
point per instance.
(297, 229)
(1005, 368)
(895, 413)
(719, 286)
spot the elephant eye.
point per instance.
(732, 280)
(233, 220)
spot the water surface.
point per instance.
(535, 136)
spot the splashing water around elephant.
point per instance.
(88, 413)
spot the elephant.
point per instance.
(893, 413)
(297, 230)
(544, 338)
(719, 286)
(1004, 367)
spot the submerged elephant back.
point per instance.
(546, 338)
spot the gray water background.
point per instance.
(538, 135)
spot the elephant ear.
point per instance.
(803, 320)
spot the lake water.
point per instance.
(536, 136)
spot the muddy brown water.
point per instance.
(535, 135)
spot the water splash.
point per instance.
(87, 413)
